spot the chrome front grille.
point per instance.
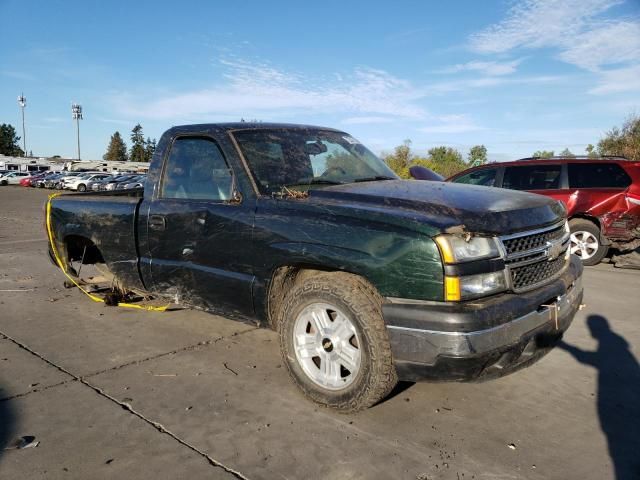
(514, 245)
(535, 257)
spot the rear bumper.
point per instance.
(482, 338)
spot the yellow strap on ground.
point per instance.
(63, 267)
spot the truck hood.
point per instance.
(448, 206)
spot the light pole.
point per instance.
(22, 101)
(76, 112)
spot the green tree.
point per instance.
(400, 160)
(566, 153)
(117, 150)
(623, 141)
(149, 148)
(591, 151)
(446, 161)
(9, 141)
(137, 151)
(543, 153)
(477, 155)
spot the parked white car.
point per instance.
(80, 182)
(13, 178)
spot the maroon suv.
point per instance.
(602, 196)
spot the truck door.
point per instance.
(199, 231)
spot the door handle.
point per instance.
(157, 222)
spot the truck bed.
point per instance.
(109, 220)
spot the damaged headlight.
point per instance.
(474, 286)
(458, 249)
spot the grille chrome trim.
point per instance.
(538, 258)
(532, 232)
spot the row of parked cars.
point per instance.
(77, 181)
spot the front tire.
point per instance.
(334, 341)
(585, 241)
(82, 187)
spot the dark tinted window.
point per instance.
(532, 177)
(597, 175)
(486, 177)
(196, 170)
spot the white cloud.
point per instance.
(619, 80)
(452, 124)
(486, 82)
(486, 68)
(258, 89)
(607, 44)
(540, 23)
(577, 30)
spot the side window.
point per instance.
(196, 170)
(597, 175)
(485, 177)
(532, 177)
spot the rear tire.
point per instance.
(82, 187)
(586, 241)
(334, 341)
(4, 182)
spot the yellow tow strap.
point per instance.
(63, 267)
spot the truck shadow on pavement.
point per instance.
(618, 394)
(7, 425)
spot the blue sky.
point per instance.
(514, 76)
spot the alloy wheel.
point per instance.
(584, 244)
(326, 345)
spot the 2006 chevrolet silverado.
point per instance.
(367, 278)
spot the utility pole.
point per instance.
(22, 101)
(76, 112)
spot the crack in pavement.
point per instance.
(34, 390)
(158, 426)
(188, 348)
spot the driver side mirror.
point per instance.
(418, 172)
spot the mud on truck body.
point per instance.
(367, 278)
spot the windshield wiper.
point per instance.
(315, 181)
(374, 178)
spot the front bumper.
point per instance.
(481, 338)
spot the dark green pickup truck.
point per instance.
(367, 278)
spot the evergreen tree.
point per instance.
(9, 141)
(137, 151)
(117, 150)
(149, 148)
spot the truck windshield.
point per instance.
(307, 158)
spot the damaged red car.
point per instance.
(602, 196)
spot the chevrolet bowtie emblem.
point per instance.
(554, 250)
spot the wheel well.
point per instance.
(283, 280)
(589, 218)
(79, 247)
